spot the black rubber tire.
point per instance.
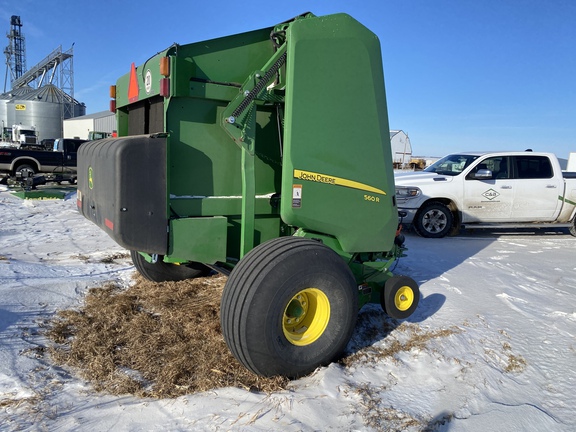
(25, 168)
(163, 272)
(572, 228)
(396, 286)
(434, 220)
(256, 298)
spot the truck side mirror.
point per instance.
(482, 174)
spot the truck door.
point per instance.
(536, 189)
(491, 199)
(70, 153)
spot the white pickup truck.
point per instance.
(498, 189)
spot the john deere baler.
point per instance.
(265, 156)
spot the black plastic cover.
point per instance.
(122, 189)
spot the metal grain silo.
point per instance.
(7, 97)
(45, 108)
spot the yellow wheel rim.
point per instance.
(306, 317)
(404, 298)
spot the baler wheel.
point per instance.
(289, 306)
(400, 297)
(163, 272)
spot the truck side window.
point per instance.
(498, 165)
(533, 167)
(500, 168)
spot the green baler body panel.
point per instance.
(321, 159)
(337, 142)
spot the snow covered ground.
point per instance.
(491, 347)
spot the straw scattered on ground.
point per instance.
(164, 340)
(152, 340)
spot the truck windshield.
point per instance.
(452, 164)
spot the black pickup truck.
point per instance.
(60, 162)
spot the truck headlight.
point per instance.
(404, 193)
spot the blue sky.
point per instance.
(460, 74)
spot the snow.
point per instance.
(491, 346)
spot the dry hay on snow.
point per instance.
(152, 340)
(164, 340)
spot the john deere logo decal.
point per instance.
(90, 178)
(490, 194)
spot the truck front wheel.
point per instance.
(434, 220)
(289, 306)
(163, 272)
(573, 228)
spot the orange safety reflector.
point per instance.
(165, 66)
(133, 85)
(113, 91)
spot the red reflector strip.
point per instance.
(109, 223)
(165, 87)
(113, 106)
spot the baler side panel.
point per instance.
(205, 162)
(337, 141)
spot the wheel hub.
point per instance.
(295, 309)
(435, 221)
(306, 317)
(404, 298)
